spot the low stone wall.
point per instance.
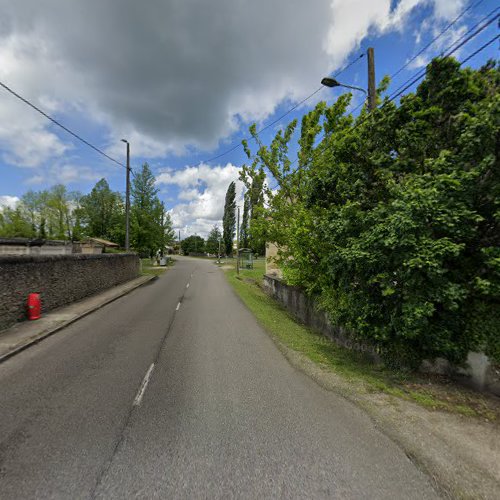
(60, 280)
(480, 373)
(307, 312)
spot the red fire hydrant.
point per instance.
(34, 306)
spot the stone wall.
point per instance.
(480, 373)
(307, 312)
(60, 280)
(26, 246)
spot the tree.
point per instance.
(392, 219)
(193, 244)
(166, 228)
(229, 218)
(147, 233)
(245, 223)
(13, 223)
(212, 246)
(48, 214)
(31, 203)
(58, 204)
(253, 176)
(101, 211)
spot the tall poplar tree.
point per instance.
(229, 218)
(245, 226)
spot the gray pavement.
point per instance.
(176, 392)
(25, 334)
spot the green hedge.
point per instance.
(392, 219)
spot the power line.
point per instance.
(457, 45)
(66, 129)
(421, 74)
(345, 68)
(422, 71)
(480, 49)
(437, 37)
(236, 146)
(95, 148)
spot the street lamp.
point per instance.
(331, 82)
(127, 199)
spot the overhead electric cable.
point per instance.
(293, 108)
(480, 49)
(433, 41)
(455, 46)
(66, 129)
(447, 27)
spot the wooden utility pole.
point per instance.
(372, 93)
(238, 243)
(127, 199)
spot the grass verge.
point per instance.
(432, 392)
(149, 269)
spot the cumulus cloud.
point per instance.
(204, 190)
(171, 76)
(174, 74)
(442, 44)
(8, 201)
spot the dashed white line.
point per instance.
(178, 306)
(142, 388)
(187, 286)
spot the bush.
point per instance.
(392, 221)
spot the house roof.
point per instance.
(103, 242)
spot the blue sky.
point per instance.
(183, 81)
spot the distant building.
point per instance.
(93, 246)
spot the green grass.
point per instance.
(148, 267)
(353, 367)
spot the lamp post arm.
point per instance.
(352, 87)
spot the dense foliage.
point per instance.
(150, 224)
(392, 219)
(59, 214)
(193, 244)
(49, 214)
(253, 176)
(102, 212)
(214, 241)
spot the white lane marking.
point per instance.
(178, 306)
(142, 389)
(187, 286)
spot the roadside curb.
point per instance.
(141, 281)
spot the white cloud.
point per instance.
(8, 201)
(172, 74)
(204, 188)
(447, 9)
(442, 44)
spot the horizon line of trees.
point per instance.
(57, 213)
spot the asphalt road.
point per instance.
(174, 391)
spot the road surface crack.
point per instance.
(121, 437)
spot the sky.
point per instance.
(182, 80)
